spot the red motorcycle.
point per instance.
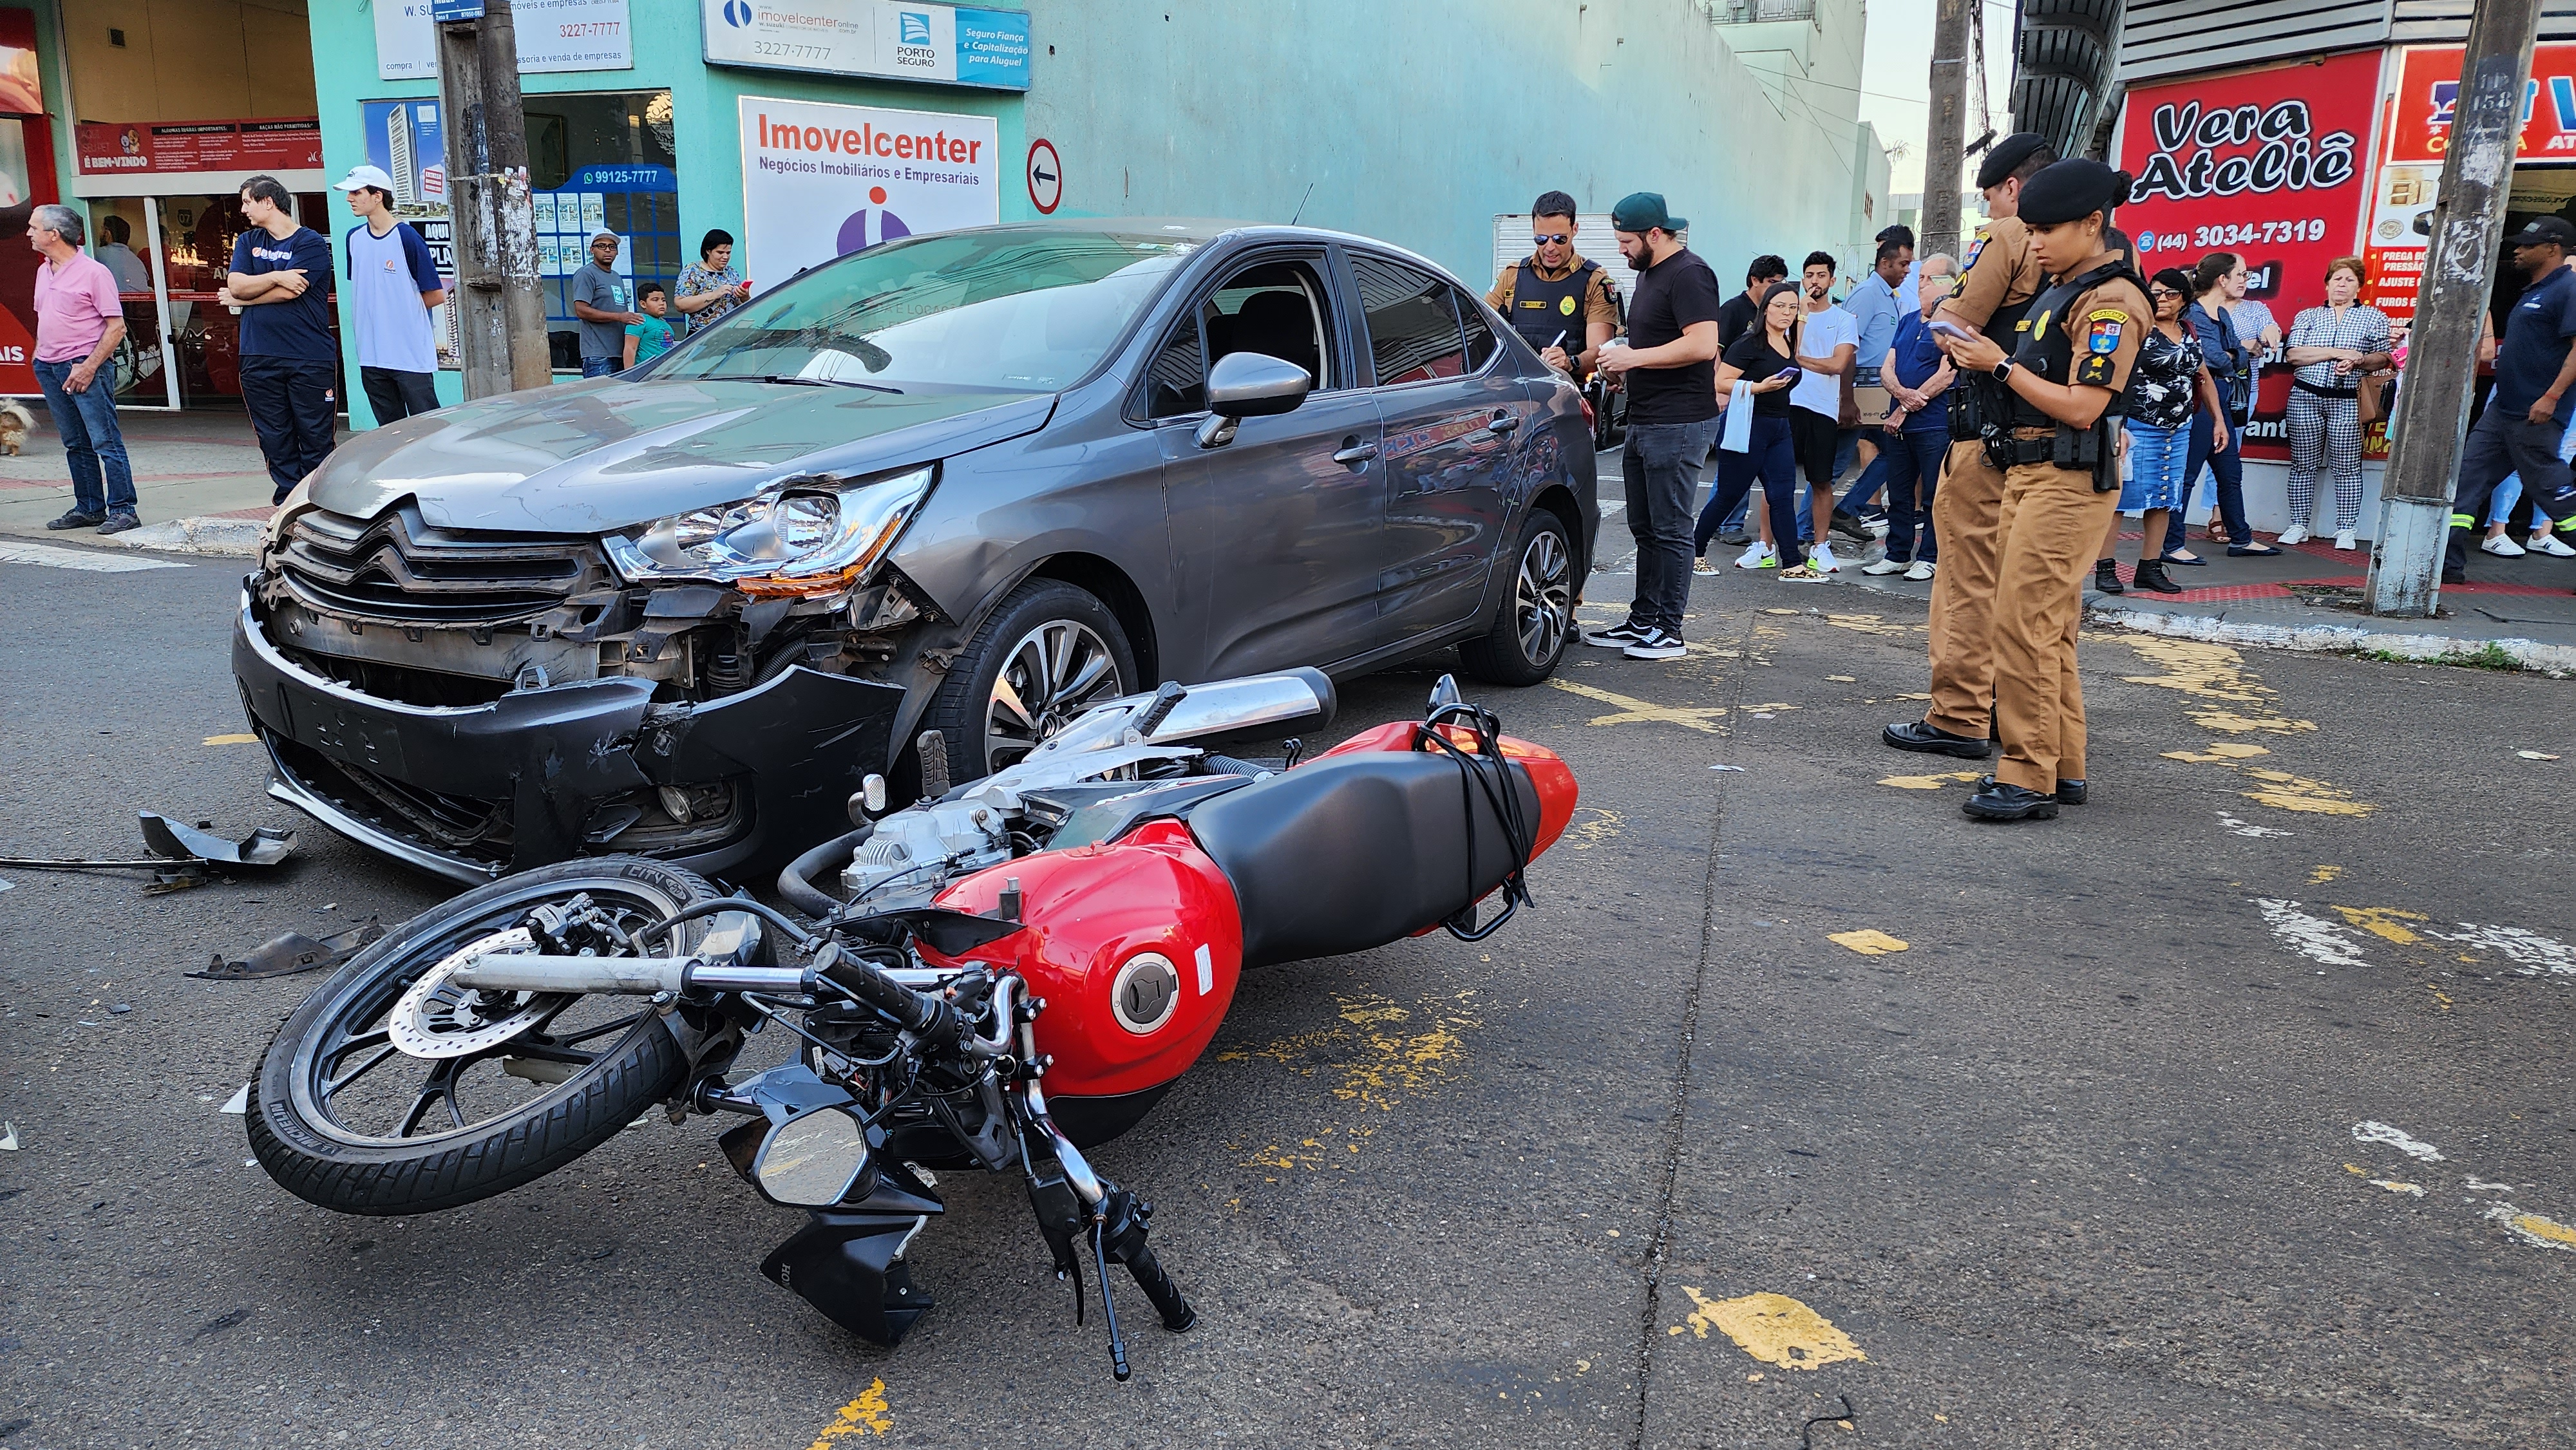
(1011, 971)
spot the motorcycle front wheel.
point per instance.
(342, 1117)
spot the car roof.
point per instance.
(1207, 229)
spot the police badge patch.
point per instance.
(1565, 305)
(2102, 337)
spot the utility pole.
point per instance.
(501, 321)
(2442, 349)
(1939, 231)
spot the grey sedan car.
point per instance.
(976, 481)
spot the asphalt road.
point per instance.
(2230, 1109)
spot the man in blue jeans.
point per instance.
(1669, 370)
(78, 325)
(605, 303)
(1918, 376)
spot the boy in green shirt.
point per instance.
(651, 337)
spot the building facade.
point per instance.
(2294, 132)
(811, 130)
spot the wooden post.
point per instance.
(501, 317)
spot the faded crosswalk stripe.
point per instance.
(13, 551)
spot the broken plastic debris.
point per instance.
(2534, 755)
(8, 1137)
(239, 1102)
(1869, 942)
(293, 952)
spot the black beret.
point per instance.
(2064, 191)
(2006, 157)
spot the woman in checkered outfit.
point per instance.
(2331, 347)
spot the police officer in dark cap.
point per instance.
(2067, 383)
(1993, 295)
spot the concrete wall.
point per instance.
(1418, 121)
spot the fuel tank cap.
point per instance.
(1145, 992)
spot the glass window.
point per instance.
(1023, 310)
(1481, 345)
(1274, 308)
(1176, 381)
(1413, 326)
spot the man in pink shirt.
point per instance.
(78, 325)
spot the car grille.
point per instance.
(397, 568)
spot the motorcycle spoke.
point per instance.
(378, 1038)
(352, 1075)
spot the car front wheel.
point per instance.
(1049, 653)
(1536, 617)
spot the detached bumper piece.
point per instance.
(472, 792)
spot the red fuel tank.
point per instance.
(1135, 947)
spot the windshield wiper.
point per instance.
(800, 381)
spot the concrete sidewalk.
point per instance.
(2514, 613)
(200, 485)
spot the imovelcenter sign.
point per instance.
(821, 181)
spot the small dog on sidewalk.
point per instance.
(15, 424)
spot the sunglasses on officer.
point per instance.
(1545, 239)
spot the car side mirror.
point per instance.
(1250, 385)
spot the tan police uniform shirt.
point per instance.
(2002, 270)
(1597, 306)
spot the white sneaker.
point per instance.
(1921, 571)
(2294, 534)
(1760, 556)
(1884, 565)
(2502, 547)
(2343, 539)
(1657, 644)
(1822, 556)
(2552, 545)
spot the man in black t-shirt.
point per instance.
(1669, 371)
(1737, 317)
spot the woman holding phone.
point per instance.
(2168, 384)
(1764, 358)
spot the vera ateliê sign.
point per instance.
(2272, 165)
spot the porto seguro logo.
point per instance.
(916, 27)
(2289, 156)
(737, 13)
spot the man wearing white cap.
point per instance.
(393, 284)
(605, 303)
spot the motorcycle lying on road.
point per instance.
(1013, 971)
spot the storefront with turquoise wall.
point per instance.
(640, 133)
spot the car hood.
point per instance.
(601, 455)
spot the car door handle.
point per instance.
(1355, 453)
(1503, 423)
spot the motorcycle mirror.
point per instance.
(1445, 694)
(813, 1160)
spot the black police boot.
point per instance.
(2001, 802)
(2106, 577)
(2069, 792)
(1931, 739)
(2151, 576)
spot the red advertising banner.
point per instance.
(110, 148)
(2267, 164)
(2428, 86)
(26, 181)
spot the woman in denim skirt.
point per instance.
(2170, 380)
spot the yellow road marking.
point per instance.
(1869, 942)
(1634, 710)
(2438, 996)
(2416, 1189)
(2540, 1231)
(2213, 672)
(2288, 792)
(1928, 782)
(1396, 1064)
(1773, 1328)
(232, 740)
(1844, 679)
(864, 1415)
(2382, 921)
(2218, 753)
(1585, 835)
(2324, 874)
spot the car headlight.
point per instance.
(799, 538)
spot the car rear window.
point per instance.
(1017, 310)
(1413, 326)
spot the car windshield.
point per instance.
(1012, 309)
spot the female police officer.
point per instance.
(2061, 478)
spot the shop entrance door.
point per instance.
(183, 345)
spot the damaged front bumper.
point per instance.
(473, 792)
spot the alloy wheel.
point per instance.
(1056, 672)
(1543, 597)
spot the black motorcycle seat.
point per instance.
(1350, 852)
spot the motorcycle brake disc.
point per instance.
(435, 1020)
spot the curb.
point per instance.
(2553, 659)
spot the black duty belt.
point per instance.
(2314, 390)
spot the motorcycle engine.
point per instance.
(919, 847)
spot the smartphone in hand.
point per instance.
(1792, 374)
(1944, 327)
